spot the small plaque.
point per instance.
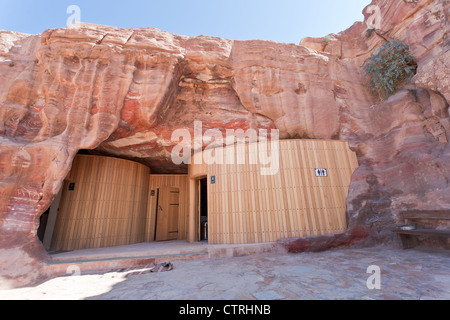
(213, 179)
(152, 193)
(71, 186)
(321, 172)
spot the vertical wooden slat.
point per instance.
(107, 206)
(246, 207)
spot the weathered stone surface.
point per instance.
(402, 143)
(123, 92)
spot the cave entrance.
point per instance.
(203, 209)
(47, 222)
(108, 202)
(43, 225)
(103, 204)
(198, 206)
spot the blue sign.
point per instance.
(213, 179)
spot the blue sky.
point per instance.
(278, 20)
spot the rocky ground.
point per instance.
(333, 275)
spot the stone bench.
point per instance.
(412, 218)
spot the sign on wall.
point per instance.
(321, 172)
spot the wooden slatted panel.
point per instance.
(175, 181)
(108, 206)
(247, 207)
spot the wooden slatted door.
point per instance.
(167, 214)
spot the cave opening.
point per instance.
(47, 222)
(102, 203)
(95, 182)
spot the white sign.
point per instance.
(374, 281)
(74, 21)
(321, 172)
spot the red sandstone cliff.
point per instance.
(123, 92)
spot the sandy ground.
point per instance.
(346, 274)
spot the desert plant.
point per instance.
(390, 68)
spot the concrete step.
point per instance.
(109, 259)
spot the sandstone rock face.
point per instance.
(123, 92)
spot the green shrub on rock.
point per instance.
(390, 68)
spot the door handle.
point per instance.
(160, 208)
